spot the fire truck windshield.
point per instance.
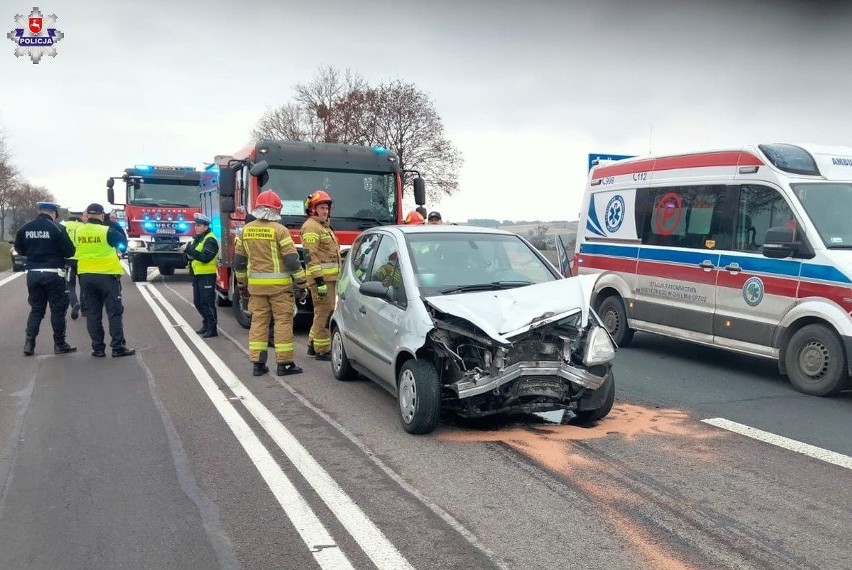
(360, 198)
(174, 193)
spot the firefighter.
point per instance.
(75, 220)
(203, 253)
(413, 217)
(322, 261)
(388, 273)
(46, 245)
(100, 281)
(266, 263)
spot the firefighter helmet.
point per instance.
(269, 199)
(316, 198)
(413, 217)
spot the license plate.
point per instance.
(165, 230)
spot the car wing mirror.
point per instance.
(780, 242)
(377, 289)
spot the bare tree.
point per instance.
(343, 108)
(8, 182)
(22, 202)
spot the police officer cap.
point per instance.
(48, 206)
(202, 219)
(76, 212)
(433, 215)
(94, 208)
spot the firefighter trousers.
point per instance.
(323, 308)
(280, 307)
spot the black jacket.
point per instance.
(207, 253)
(45, 244)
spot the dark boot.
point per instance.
(287, 368)
(123, 351)
(259, 369)
(210, 333)
(29, 346)
(202, 330)
(311, 351)
(63, 348)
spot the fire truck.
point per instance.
(366, 184)
(160, 202)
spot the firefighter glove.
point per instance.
(322, 289)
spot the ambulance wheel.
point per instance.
(614, 317)
(138, 270)
(816, 363)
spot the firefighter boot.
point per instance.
(287, 369)
(259, 369)
(29, 346)
(311, 351)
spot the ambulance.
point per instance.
(747, 249)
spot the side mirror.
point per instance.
(110, 183)
(780, 242)
(376, 289)
(259, 168)
(420, 192)
(227, 205)
(227, 187)
(110, 193)
(422, 211)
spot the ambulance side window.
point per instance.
(759, 209)
(681, 216)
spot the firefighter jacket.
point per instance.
(266, 259)
(96, 243)
(321, 250)
(45, 244)
(203, 253)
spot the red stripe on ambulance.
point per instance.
(707, 159)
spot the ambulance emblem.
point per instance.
(614, 215)
(35, 35)
(753, 291)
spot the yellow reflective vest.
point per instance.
(201, 267)
(71, 226)
(94, 253)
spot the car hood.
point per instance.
(504, 314)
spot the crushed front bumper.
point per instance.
(467, 387)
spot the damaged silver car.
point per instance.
(469, 320)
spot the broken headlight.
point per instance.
(599, 348)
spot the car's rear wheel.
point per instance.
(339, 362)
(419, 396)
(816, 362)
(614, 318)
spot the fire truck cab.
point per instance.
(160, 202)
(365, 183)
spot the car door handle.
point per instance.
(362, 309)
(706, 264)
(733, 267)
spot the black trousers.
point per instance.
(46, 288)
(103, 292)
(71, 283)
(204, 298)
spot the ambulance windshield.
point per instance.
(829, 206)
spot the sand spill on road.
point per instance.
(551, 446)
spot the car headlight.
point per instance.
(599, 347)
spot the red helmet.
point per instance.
(413, 217)
(316, 198)
(269, 199)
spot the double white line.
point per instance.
(319, 541)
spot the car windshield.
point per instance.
(446, 263)
(829, 207)
(361, 199)
(174, 193)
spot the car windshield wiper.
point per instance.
(493, 286)
(173, 204)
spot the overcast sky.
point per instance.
(526, 89)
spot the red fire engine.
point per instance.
(365, 183)
(160, 204)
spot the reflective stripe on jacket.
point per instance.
(321, 250)
(94, 253)
(273, 260)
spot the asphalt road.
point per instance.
(179, 458)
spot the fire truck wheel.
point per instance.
(166, 269)
(138, 271)
(243, 317)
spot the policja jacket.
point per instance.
(321, 250)
(45, 244)
(266, 259)
(202, 252)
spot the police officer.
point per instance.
(74, 221)
(203, 253)
(322, 261)
(266, 262)
(434, 218)
(46, 245)
(100, 281)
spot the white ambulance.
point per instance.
(747, 249)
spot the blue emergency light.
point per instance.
(142, 167)
(380, 150)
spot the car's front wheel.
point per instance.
(419, 396)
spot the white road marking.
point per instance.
(310, 528)
(371, 539)
(783, 442)
(12, 276)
